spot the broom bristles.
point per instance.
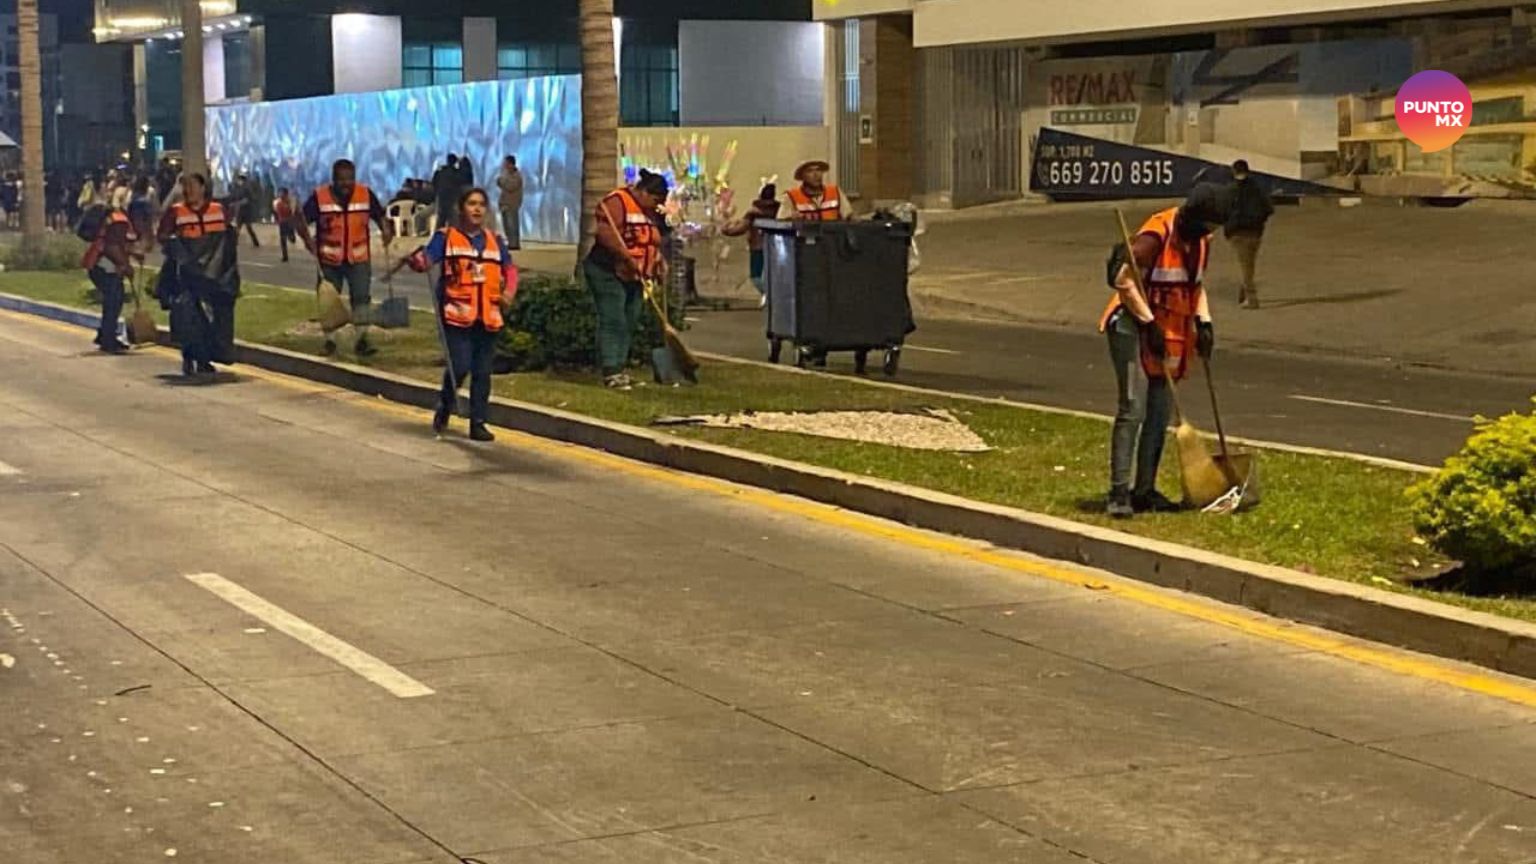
(1203, 479)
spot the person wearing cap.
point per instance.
(1251, 209)
(814, 200)
(765, 207)
(1151, 336)
(627, 253)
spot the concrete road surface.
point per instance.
(264, 621)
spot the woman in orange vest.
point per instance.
(201, 278)
(108, 261)
(627, 253)
(476, 284)
(815, 200)
(1150, 338)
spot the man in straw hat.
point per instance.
(814, 200)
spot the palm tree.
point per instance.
(599, 115)
(194, 154)
(32, 212)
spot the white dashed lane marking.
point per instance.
(364, 664)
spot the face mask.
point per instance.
(1190, 229)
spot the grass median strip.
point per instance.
(1333, 517)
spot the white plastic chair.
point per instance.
(402, 215)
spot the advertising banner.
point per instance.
(1072, 167)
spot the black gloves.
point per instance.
(1152, 337)
(1205, 338)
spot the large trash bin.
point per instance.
(837, 286)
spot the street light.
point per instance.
(58, 111)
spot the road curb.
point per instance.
(1380, 616)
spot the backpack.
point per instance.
(91, 222)
(1117, 259)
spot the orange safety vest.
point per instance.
(473, 281)
(828, 209)
(1173, 292)
(94, 252)
(191, 224)
(641, 236)
(343, 227)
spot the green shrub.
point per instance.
(1481, 507)
(59, 253)
(554, 324)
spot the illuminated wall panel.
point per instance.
(399, 134)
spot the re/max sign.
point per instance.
(1094, 88)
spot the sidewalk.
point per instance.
(1443, 287)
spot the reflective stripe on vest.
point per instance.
(639, 232)
(96, 252)
(1172, 295)
(343, 227)
(473, 281)
(828, 209)
(190, 224)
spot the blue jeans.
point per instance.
(1141, 417)
(470, 353)
(757, 262)
(110, 287)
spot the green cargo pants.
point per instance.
(618, 313)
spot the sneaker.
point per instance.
(115, 347)
(618, 382)
(478, 432)
(1252, 302)
(1153, 502)
(364, 348)
(206, 369)
(329, 349)
(1119, 504)
(186, 368)
(440, 419)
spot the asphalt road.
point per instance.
(1380, 409)
(267, 621)
(1391, 410)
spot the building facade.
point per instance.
(960, 102)
(272, 50)
(707, 91)
(10, 63)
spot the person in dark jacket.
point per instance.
(1251, 209)
(201, 277)
(242, 205)
(448, 185)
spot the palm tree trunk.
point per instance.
(194, 152)
(32, 213)
(599, 115)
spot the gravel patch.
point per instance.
(932, 429)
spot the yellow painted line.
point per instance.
(1249, 623)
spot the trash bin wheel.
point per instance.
(775, 348)
(892, 361)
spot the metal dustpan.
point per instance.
(1239, 470)
(394, 313)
